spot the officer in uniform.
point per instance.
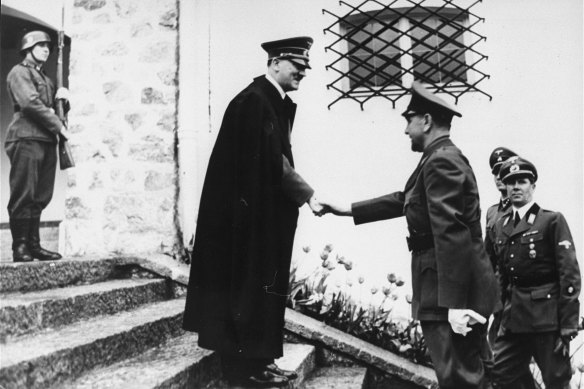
(494, 213)
(31, 146)
(454, 286)
(541, 284)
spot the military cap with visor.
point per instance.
(423, 102)
(32, 38)
(293, 49)
(498, 157)
(517, 167)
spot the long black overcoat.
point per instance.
(245, 230)
(441, 200)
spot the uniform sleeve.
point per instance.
(293, 185)
(444, 179)
(380, 208)
(26, 95)
(569, 273)
(489, 237)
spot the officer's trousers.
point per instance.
(457, 359)
(33, 166)
(513, 353)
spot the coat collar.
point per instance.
(435, 145)
(525, 223)
(443, 141)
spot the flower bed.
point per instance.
(322, 295)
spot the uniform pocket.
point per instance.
(537, 307)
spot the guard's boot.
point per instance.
(19, 230)
(34, 244)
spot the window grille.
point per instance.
(380, 52)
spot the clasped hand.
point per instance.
(321, 207)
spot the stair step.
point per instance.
(178, 363)
(25, 313)
(300, 358)
(28, 276)
(336, 378)
(54, 356)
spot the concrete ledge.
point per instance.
(364, 352)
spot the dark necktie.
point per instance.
(516, 219)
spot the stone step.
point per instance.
(38, 275)
(336, 378)
(26, 313)
(178, 363)
(48, 358)
(300, 358)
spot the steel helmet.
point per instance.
(32, 38)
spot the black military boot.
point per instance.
(19, 230)
(34, 243)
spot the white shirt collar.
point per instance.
(278, 87)
(523, 210)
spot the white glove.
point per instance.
(460, 319)
(62, 93)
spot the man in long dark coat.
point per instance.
(454, 286)
(247, 219)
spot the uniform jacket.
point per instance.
(32, 94)
(245, 229)
(441, 200)
(540, 273)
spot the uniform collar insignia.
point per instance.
(532, 213)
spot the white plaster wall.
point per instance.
(535, 63)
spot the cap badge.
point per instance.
(532, 254)
(514, 168)
(565, 243)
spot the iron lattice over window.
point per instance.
(381, 52)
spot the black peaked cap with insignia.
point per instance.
(293, 49)
(517, 167)
(423, 101)
(498, 157)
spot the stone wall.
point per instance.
(122, 195)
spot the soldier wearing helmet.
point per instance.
(31, 146)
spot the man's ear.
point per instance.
(427, 122)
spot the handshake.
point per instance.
(321, 207)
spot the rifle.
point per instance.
(65, 155)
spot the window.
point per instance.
(381, 52)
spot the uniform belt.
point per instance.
(526, 282)
(420, 242)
